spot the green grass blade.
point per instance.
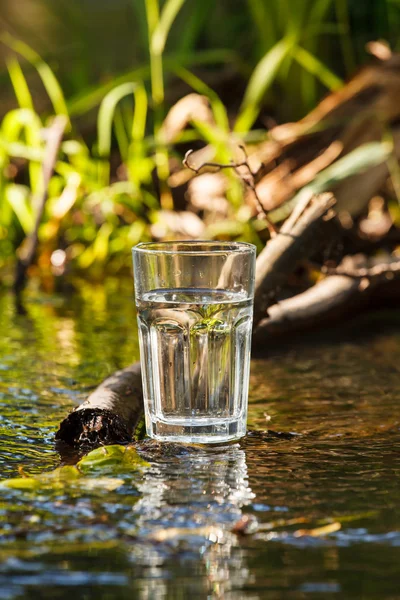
(19, 83)
(47, 76)
(348, 50)
(120, 133)
(314, 66)
(261, 79)
(139, 167)
(24, 121)
(194, 26)
(106, 116)
(318, 12)
(263, 22)
(168, 15)
(17, 197)
(140, 113)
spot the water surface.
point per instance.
(326, 498)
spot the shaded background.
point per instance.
(256, 64)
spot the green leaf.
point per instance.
(119, 459)
(19, 83)
(314, 66)
(45, 73)
(168, 15)
(17, 196)
(261, 79)
(106, 457)
(21, 483)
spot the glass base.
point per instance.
(210, 431)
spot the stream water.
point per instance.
(326, 498)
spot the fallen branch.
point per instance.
(337, 296)
(54, 136)
(300, 236)
(110, 413)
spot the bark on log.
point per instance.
(300, 236)
(339, 296)
(110, 413)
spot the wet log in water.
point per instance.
(110, 413)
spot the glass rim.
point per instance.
(205, 247)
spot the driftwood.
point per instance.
(300, 236)
(344, 293)
(110, 413)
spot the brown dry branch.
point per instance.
(54, 135)
(362, 111)
(349, 289)
(307, 229)
(247, 178)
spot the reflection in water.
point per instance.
(188, 507)
(165, 533)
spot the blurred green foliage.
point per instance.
(108, 187)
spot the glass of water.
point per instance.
(195, 306)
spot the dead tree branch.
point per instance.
(300, 236)
(248, 179)
(337, 296)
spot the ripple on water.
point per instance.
(166, 531)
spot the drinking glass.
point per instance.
(195, 305)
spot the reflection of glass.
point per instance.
(188, 506)
(195, 307)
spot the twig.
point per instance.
(248, 180)
(387, 271)
(54, 136)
